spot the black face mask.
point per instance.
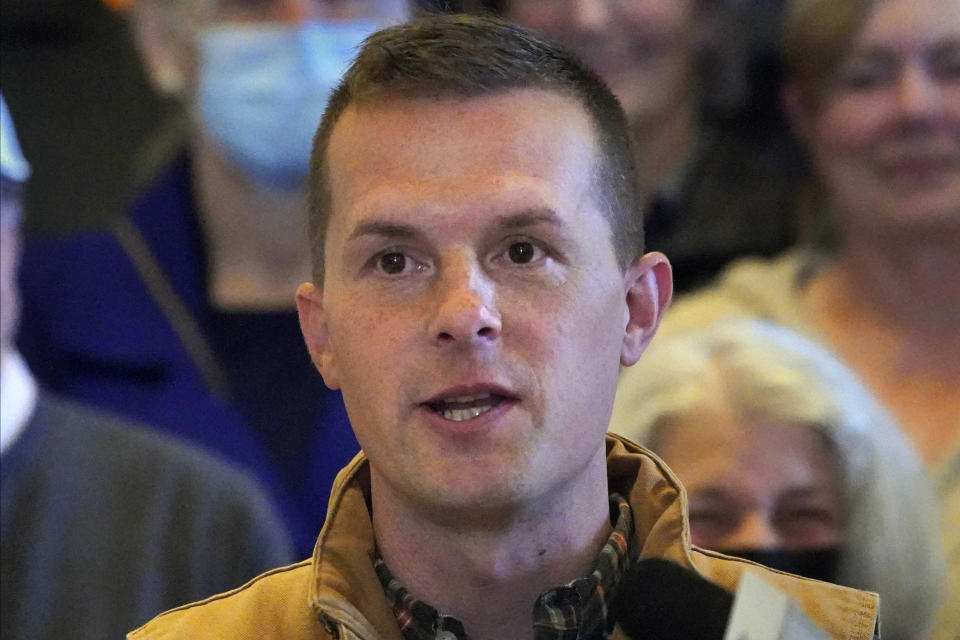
(820, 564)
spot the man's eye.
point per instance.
(393, 262)
(522, 252)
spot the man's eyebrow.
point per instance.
(520, 220)
(383, 228)
(531, 217)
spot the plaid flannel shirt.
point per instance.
(576, 611)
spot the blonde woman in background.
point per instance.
(787, 460)
(873, 92)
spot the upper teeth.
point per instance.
(460, 408)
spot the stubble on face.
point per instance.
(441, 177)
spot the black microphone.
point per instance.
(660, 600)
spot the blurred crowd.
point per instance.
(800, 165)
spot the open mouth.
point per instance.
(461, 408)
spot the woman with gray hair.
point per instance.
(789, 461)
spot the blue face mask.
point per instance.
(263, 90)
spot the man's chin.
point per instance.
(478, 511)
(474, 500)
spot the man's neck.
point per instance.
(257, 253)
(488, 572)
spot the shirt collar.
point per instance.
(577, 610)
(18, 398)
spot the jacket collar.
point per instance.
(346, 594)
(345, 590)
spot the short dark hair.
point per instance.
(444, 55)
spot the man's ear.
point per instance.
(313, 324)
(648, 283)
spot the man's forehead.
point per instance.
(527, 133)
(541, 115)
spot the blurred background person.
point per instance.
(181, 313)
(874, 94)
(104, 524)
(787, 460)
(716, 188)
(83, 106)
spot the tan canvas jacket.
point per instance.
(336, 594)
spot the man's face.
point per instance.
(646, 50)
(473, 311)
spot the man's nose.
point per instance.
(466, 312)
(590, 15)
(756, 531)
